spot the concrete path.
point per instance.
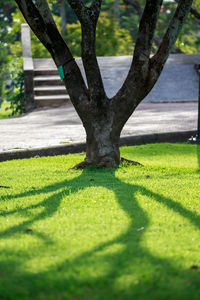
(61, 126)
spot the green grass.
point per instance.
(130, 233)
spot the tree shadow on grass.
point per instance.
(119, 278)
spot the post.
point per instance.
(196, 139)
(27, 67)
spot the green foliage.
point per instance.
(189, 38)
(5, 40)
(111, 40)
(38, 50)
(70, 15)
(15, 94)
(125, 42)
(73, 38)
(130, 233)
(106, 36)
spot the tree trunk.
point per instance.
(102, 146)
(102, 136)
(117, 11)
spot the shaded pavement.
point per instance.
(60, 126)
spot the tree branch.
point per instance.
(85, 13)
(96, 7)
(136, 5)
(140, 65)
(147, 27)
(144, 71)
(79, 8)
(157, 40)
(134, 88)
(88, 17)
(39, 17)
(174, 28)
(193, 11)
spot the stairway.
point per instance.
(49, 89)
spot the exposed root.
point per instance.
(105, 164)
(102, 164)
(131, 162)
(82, 165)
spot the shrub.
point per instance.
(15, 93)
(111, 40)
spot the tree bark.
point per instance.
(102, 145)
(102, 136)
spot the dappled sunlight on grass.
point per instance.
(130, 233)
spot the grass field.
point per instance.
(130, 233)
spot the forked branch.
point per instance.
(88, 17)
(133, 87)
(169, 39)
(85, 13)
(144, 71)
(96, 8)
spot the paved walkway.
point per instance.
(61, 126)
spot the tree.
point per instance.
(61, 4)
(104, 118)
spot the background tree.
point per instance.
(104, 118)
(189, 39)
(61, 4)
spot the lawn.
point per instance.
(130, 233)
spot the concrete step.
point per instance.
(39, 72)
(54, 100)
(50, 90)
(44, 63)
(48, 63)
(47, 80)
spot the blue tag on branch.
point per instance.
(61, 72)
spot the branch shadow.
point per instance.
(67, 282)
